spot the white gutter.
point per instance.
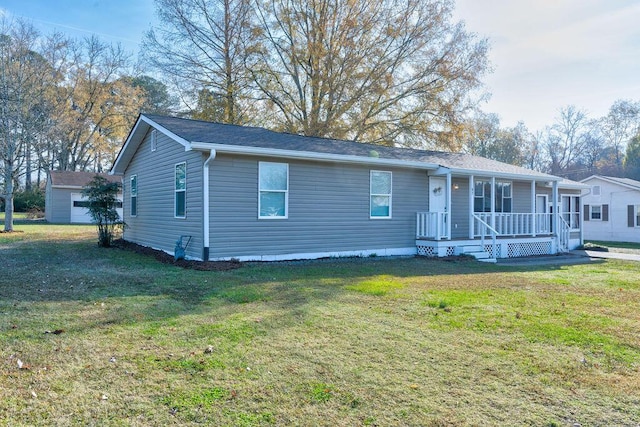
(205, 201)
(310, 155)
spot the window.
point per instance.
(134, 195)
(87, 204)
(482, 196)
(595, 190)
(503, 196)
(181, 191)
(273, 184)
(154, 140)
(380, 194)
(596, 212)
(571, 211)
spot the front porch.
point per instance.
(493, 235)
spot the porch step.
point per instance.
(475, 251)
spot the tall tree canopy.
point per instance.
(386, 71)
(201, 45)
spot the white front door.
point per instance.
(438, 204)
(437, 194)
(543, 221)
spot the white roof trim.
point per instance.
(143, 121)
(611, 180)
(309, 155)
(482, 173)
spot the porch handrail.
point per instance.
(494, 234)
(517, 223)
(432, 225)
(563, 235)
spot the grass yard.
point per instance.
(109, 337)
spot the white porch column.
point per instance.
(534, 226)
(471, 207)
(556, 213)
(448, 193)
(493, 202)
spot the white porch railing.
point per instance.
(432, 225)
(484, 229)
(563, 235)
(513, 224)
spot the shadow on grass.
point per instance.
(69, 267)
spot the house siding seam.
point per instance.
(155, 225)
(328, 209)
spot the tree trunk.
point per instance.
(8, 197)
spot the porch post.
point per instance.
(448, 193)
(471, 208)
(534, 226)
(493, 202)
(556, 212)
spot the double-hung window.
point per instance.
(503, 196)
(380, 186)
(482, 198)
(596, 212)
(180, 191)
(134, 195)
(273, 184)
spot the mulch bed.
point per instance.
(166, 258)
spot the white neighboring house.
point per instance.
(612, 209)
(64, 202)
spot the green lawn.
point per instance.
(108, 337)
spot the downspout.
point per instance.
(205, 201)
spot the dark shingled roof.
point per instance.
(77, 179)
(217, 133)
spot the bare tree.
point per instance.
(620, 125)
(200, 46)
(23, 81)
(565, 140)
(376, 70)
(95, 106)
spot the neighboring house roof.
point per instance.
(625, 182)
(69, 179)
(201, 135)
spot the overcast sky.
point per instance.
(545, 54)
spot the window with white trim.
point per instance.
(273, 190)
(503, 199)
(380, 190)
(180, 191)
(596, 213)
(134, 195)
(637, 216)
(571, 211)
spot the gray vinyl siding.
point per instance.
(58, 205)
(328, 209)
(155, 225)
(460, 208)
(521, 197)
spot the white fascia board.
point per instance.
(309, 155)
(612, 181)
(502, 175)
(135, 138)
